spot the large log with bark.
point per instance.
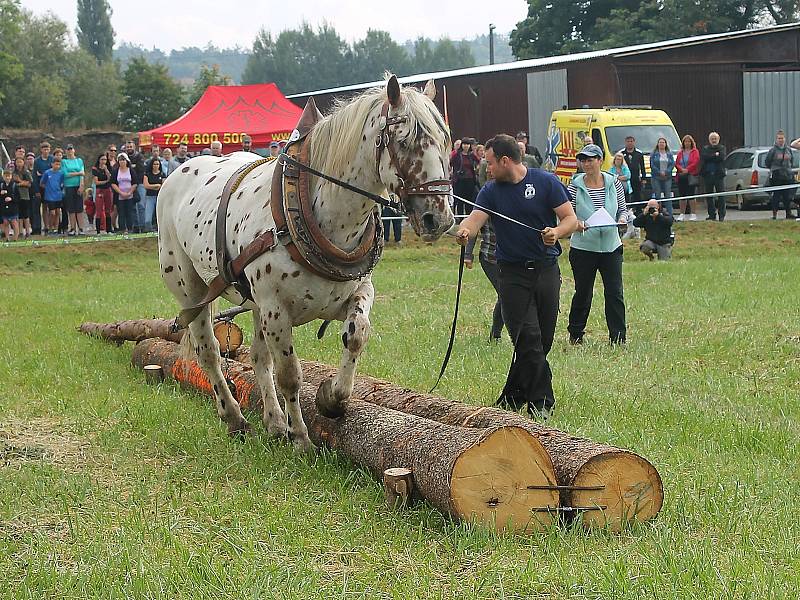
(499, 476)
(621, 484)
(228, 334)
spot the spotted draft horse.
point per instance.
(388, 138)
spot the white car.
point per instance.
(746, 169)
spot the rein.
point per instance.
(389, 203)
(455, 319)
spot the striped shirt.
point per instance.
(598, 197)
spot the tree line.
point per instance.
(47, 81)
(569, 26)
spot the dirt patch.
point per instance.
(39, 440)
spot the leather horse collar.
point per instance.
(298, 230)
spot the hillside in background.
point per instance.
(184, 64)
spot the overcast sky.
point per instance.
(226, 23)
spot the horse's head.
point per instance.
(412, 158)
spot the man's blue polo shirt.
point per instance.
(531, 201)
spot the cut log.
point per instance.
(228, 334)
(614, 486)
(500, 477)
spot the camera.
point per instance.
(652, 210)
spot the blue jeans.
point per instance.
(662, 188)
(138, 218)
(149, 212)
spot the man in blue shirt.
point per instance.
(528, 274)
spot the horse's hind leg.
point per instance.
(261, 359)
(206, 347)
(335, 391)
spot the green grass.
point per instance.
(110, 488)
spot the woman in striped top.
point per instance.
(594, 249)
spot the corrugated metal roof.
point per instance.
(562, 59)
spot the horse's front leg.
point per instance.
(277, 332)
(335, 391)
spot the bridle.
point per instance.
(433, 187)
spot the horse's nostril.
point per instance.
(429, 221)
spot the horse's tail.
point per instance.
(186, 352)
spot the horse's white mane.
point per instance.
(338, 135)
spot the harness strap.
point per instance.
(228, 271)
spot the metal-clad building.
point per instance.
(742, 84)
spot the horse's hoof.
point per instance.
(277, 430)
(327, 405)
(304, 445)
(240, 431)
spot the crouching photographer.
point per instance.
(657, 224)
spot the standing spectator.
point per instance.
(136, 164)
(247, 144)
(40, 165)
(623, 174)
(181, 155)
(73, 189)
(153, 178)
(124, 183)
(712, 170)
(464, 166)
(662, 163)
(23, 179)
(529, 148)
(657, 226)
(89, 206)
(274, 149)
(393, 220)
(634, 158)
(19, 152)
(52, 185)
(36, 196)
(9, 204)
(488, 260)
(528, 274)
(166, 162)
(483, 175)
(594, 249)
(688, 165)
(111, 157)
(216, 148)
(58, 154)
(527, 159)
(779, 162)
(103, 198)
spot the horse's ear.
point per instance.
(393, 91)
(430, 89)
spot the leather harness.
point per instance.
(295, 226)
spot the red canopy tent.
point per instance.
(226, 113)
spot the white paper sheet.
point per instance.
(601, 218)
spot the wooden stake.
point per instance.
(398, 485)
(153, 374)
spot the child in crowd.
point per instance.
(53, 185)
(89, 205)
(23, 179)
(9, 200)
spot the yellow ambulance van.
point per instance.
(571, 130)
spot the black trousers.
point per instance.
(490, 270)
(585, 266)
(715, 204)
(395, 224)
(529, 300)
(468, 189)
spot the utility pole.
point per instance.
(491, 43)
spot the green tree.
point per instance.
(11, 68)
(377, 53)
(94, 90)
(208, 76)
(424, 61)
(299, 59)
(452, 55)
(38, 97)
(781, 11)
(150, 96)
(94, 31)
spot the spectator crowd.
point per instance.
(56, 193)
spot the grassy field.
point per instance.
(110, 488)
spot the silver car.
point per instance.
(746, 169)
